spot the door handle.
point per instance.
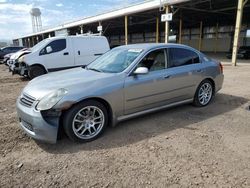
(97, 54)
(79, 53)
(200, 70)
(167, 76)
(66, 53)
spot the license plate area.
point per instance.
(26, 124)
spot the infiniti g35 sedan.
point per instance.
(125, 82)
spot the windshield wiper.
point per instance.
(93, 69)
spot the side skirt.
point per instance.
(126, 117)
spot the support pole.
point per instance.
(29, 43)
(167, 26)
(200, 37)
(237, 31)
(100, 24)
(81, 27)
(216, 38)
(157, 30)
(126, 30)
(180, 32)
(33, 41)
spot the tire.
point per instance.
(204, 94)
(79, 123)
(36, 71)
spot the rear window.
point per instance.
(182, 57)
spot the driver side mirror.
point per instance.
(141, 70)
(48, 49)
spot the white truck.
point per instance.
(58, 53)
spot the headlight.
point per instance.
(20, 59)
(50, 100)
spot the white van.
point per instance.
(57, 53)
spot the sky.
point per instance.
(15, 20)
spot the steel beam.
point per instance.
(200, 37)
(126, 30)
(157, 30)
(180, 31)
(167, 26)
(216, 38)
(237, 31)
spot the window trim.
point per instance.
(130, 72)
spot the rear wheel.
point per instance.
(36, 71)
(86, 121)
(204, 94)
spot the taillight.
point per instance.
(221, 67)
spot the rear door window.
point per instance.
(181, 57)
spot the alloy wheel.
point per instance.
(205, 93)
(88, 122)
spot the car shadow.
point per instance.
(150, 125)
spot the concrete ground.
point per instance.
(180, 147)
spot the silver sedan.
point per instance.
(125, 82)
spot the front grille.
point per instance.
(27, 100)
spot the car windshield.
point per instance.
(2, 49)
(115, 61)
(39, 45)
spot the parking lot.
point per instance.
(180, 147)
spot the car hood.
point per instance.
(8, 55)
(72, 80)
(18, 54)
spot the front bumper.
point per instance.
(17, 68)
(35, 125)
(5, 60)
(219, 82)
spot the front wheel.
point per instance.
(86, 121)
(204, 94)
(36, 71)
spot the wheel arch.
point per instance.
(213, 83)
(39, 65)
(99, 99)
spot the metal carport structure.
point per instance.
(208, 25)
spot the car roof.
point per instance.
(149, 46)
(76, 36)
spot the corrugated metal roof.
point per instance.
(140, 7)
